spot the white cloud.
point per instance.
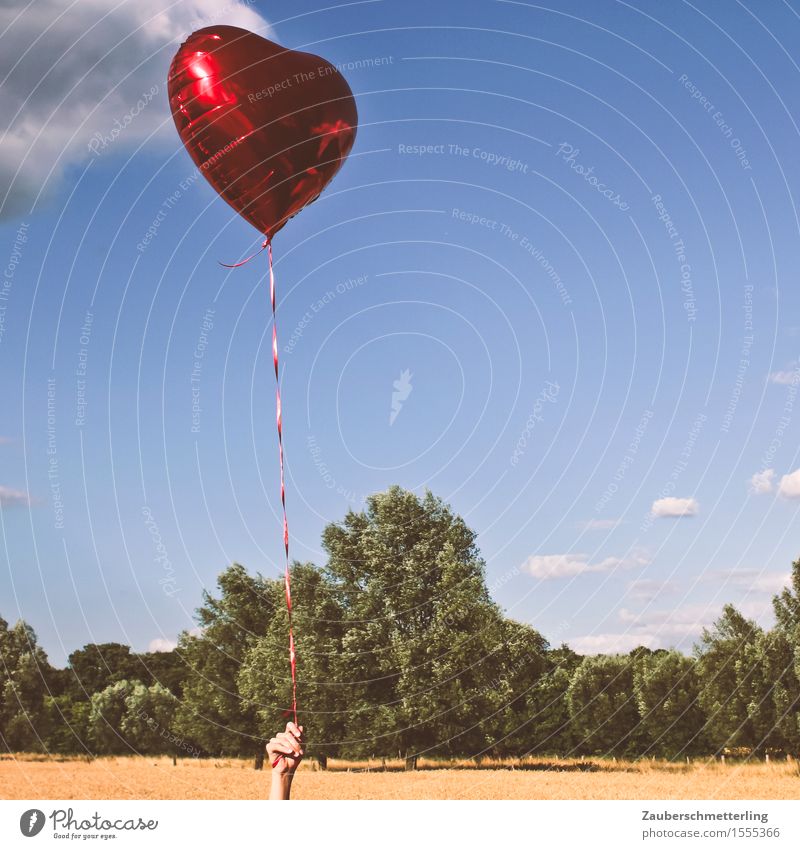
(674, 508)
(602, 524)
(160, 644)
(690, 619)
(682, 626)
(752, 580)
(648, 589)
(770, 582)
(762, 483)
(610, 643)
(678, 627)
(70, 75)
(14, 497)
(561, 565)
(790, 485)
(547, 566)
(654, 629)
(786, 378)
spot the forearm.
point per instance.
(281, 786)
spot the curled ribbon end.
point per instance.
(264, 245)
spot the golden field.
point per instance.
(38, 777)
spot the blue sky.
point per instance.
(566, 241)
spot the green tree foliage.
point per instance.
(538, 717)
(212, 711)
(148, 720)
(523, 663)
(167, 668)
(770, 691)
(424, 643)
(106, 715)
(728, 677)
(401, 649)
(130, 717)
(24, 675)
(602, 705)
(787, 605)
(265, 676)
(783, 662)
(666, 687)
(66, 725)
(97, 665)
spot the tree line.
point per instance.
(401, 650)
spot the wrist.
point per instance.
(281, 784)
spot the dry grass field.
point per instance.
(36, 777)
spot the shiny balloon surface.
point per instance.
(268, 127)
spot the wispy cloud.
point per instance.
(751, 580)
(550, 566)
(667, 626)
(648, 589)
(601, 524)
(679, 627)
(610, 643)
(14, 497)
(786, 378)
(71, 78)
(654, 629)
(762, 483)
(159, 644)
(674, 508)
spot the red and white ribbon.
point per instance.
(287, 578)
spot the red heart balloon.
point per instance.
(268, 127)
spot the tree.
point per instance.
(781, 658)
(400, 648)
(787, 604)
(424, 641)
(265, 677)
(147, 723)
(666, 687)
(131, 718)
(602, 705)
(727, 670)
(523, 663)
(24, 674)
(770, 691)
(546, 725)
(167, 668)
(66, 725)
(6, 663)
(97, 665)
(106, 716)
(212, 711)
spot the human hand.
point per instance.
(286, 749)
